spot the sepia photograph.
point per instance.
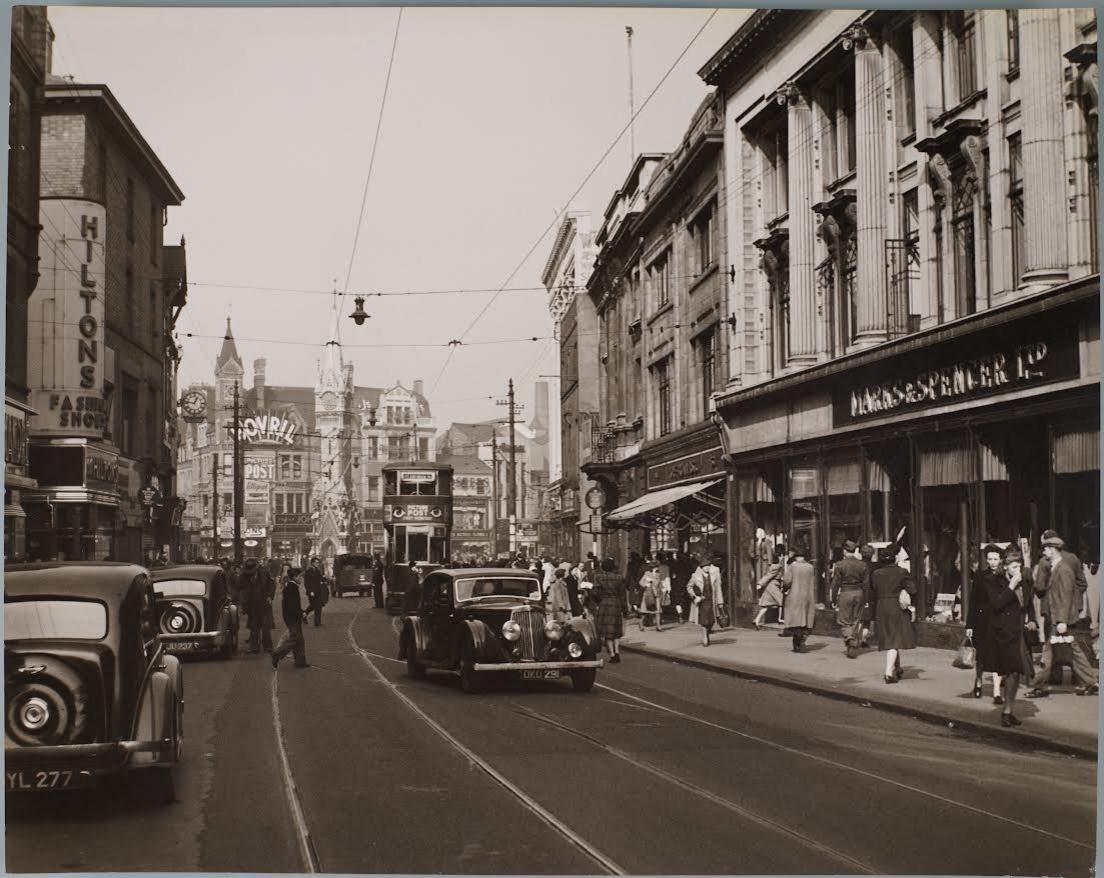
(545, 440)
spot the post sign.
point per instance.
(65, 350)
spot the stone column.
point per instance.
(1045, 217)
(872, 189)
(803, 316)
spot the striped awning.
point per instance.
(655, 499)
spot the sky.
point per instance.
(266, 120)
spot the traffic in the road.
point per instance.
(353, 765)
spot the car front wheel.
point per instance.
(583, 679)
(413, 669)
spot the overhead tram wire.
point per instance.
(578, 189)
(372, 157)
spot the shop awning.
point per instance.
(655, 499)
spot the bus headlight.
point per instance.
(511, 630)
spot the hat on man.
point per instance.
(849, 546)
(1054, 541)
(887, 554)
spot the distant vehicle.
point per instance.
(89, 688)
(352, 573)
(195, 615)
(477, 622)
(417, 522)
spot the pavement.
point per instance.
(931, 689)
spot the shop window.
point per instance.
(947, 480)
(1016, 206)
(1012, 19)
(845, 507)
(1075, 502)
(806, 515)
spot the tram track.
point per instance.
(606, 863)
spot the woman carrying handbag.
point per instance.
(893, 590)
(706, 583)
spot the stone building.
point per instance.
(911, 214)
(31, 44)
(100, 354)
(659, 291)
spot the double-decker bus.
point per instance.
(417, 522)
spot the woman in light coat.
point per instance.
(650, 593)
(559, 601)
(706, 596)
(799, 584)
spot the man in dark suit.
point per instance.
(316, 589)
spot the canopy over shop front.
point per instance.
(658, 507)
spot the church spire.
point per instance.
(332, 366)
(229, 352)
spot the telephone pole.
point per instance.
(214, 502)
(238, 486)
(494, 492)
(511, 490)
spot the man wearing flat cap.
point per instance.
(1061, 586)
(850, 582)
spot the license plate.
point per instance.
(550, 674)
(28, 779)
(184, 646)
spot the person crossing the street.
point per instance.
(291, 605)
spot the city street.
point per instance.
(661, 769)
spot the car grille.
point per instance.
(531, 641)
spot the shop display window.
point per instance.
(947, 480)
(1076, 494)
(806, 514)
(758, 508)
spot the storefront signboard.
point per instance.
(291, 522)
(1000, 362)
(691, 467)
(15, 440)
(101, 469)
(268, 429)
(66, 356)
(256, 491)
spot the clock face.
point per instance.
(194, 404)
(329, 401)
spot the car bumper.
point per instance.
(537, 666)
(70, 766)
(201, 642)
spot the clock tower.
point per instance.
(339, 440)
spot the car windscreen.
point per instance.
(181, 588)
(48, 619)
(485, 586)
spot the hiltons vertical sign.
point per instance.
(65, 356)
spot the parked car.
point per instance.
(477, 622)
(352, 573)
(195, 615)
(89, 688)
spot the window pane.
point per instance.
(42, 620)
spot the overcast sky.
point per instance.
(266, 117)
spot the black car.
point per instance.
(195, 615)
(352, 573)
(89, 689)
(476, 622)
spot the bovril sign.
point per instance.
(268, 428)
(65, 350)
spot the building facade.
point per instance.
(31, 43)
(100, 354)
(659, 291)
(565, 275)
(912, 222)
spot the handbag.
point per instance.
(722, 616)
(904, 600)
(966, 657)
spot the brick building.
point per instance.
(31, 42)
(101, 361)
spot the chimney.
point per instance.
(419, 387)
(259, 383)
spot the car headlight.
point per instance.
(575, 649)
(553, 630)
(511, 630)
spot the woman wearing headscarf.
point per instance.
(707, 593)
(977, 620)
(609, 624)
(1009, 597)
(649, 604)
(890, 584)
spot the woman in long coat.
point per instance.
(977, 620)
(770, 593)
(1009, 594)
(608, 588)
(894, 623)
(799, 611)
(706, 585)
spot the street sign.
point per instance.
(595, 522)
(595, 498)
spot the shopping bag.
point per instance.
(966, 657)
(722, 616)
